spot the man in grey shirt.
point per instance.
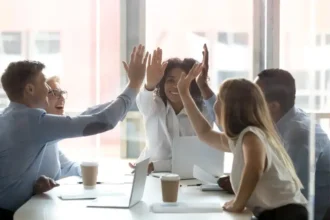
(26, 128)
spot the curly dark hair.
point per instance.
(185, 65)
(17, 75)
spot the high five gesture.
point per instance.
(155, 69)
(136, 67)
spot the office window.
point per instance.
(223, 37)
(11, 43)
(241, 39)
(301, 79)
(233, 38)
(222, 75)
(318, 40)
(201, 34)
(303, 102)
(327, 39)
(47, 42)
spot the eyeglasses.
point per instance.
(58, 93)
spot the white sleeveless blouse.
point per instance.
(276, 186)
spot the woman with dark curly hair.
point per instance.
(164, 115)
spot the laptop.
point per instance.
(122, 200)
(190, 151)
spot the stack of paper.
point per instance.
(204, 176)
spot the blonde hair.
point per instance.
(53, 78)
(243, 104)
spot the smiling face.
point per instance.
(56, 99)
(170, 86)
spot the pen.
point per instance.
(199, 184)
(96, 182)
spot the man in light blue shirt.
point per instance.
(293, 126)
(26, 128)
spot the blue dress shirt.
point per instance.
(25, 132)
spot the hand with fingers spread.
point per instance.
(202, 78)
(186, 79)
(136, 67)
(155, 69)
(44, 184)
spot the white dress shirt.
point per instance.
(162, 126)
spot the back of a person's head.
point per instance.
(278, 85)
(242, 105)
(17, 75)
(188, 63)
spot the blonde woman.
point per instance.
(263, 177)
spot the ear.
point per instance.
(29, 89)
(274, 107)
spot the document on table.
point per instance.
(204, 176)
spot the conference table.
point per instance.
(49, 206)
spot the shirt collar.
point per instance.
(170, 108)
(286, 118)
(16, 105)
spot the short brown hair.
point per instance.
(279, 85)
(17, 75)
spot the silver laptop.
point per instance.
(190, 151)
(126, 201)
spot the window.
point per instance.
(201, 34)
(223, 75)
(241, 39)
(318, 40)
(327, 39)
(47, 42)
(11, 43)
(235, 38)
(223, 37)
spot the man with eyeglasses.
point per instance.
(54, 164)
(26, 128)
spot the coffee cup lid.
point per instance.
(89, 164)
(171, 177)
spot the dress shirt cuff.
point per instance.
(131, 94)
(162, 166)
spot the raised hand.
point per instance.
(155, 69)
(44, 184)
(185, 80)
(136, 67)
(202, 78)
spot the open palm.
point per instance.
(185, 80)
(202, 78)
(155, 69)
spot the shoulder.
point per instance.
(252, 137)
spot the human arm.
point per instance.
(145, 100)
(202, 128)
(254, 154)
(202, 79)
(47, 128)
(68, 167)
(297, 146)
(43, 184)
